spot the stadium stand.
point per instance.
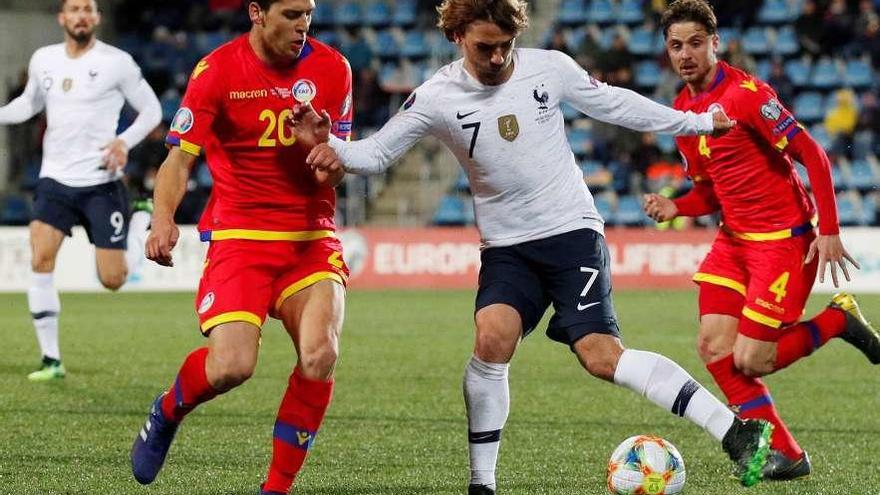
(393, 47)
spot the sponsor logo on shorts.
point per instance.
(582, 307)
(304, 91)
(772, 307)
(183, 121)
(206, 303)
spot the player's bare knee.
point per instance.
(708, 348)
(227, 371)
(493, 347)
(113, 281)
(318, 363)
(41, 263)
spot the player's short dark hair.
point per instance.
(456, 15)
(61, 4)
(264, 4)
(698, 11)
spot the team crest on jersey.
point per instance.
(508, 127)
(304, 91)
(771, 110)
(542, 98)
(206, 303)
(183, 121)
(66, 84)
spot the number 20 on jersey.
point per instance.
(276, 131)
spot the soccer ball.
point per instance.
(645, 465)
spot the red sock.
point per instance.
(801, 339)
(750, 399)
(299, 417)
(190, 388)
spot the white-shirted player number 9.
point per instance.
(117, 221)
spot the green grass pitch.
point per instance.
(397, 423)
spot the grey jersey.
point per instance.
(511, 141)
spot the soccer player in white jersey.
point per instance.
(82, 83)
(497, 109)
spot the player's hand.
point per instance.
(831, 251)
(115, 155)
(309, 128)
(722, 123)
(326, 165)
(162, 239)
(659, 208)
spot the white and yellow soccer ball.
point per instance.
(645, 465)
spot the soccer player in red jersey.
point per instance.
(273, 250)
(755, 281)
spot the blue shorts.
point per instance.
(103, 210)
(571, 270)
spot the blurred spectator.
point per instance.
(838, 27)
(867, 15)
(780, 81)
(357, 51)
(736, 56)
(557, 42)
(588, 54)
(617, 57)
(871, 42)
(840, 121)
(617, 63)
(809, 28)
(371, 102)
(739, 14)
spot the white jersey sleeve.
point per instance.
(623, 107)
(26, 105)
(376, 153)
(138, 93)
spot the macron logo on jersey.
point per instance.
(248, 94)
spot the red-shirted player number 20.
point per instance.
(275, 127)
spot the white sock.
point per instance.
(487, 399)
(45, 306)
(666, 384)
(137, 237)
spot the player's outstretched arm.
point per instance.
(827, 245)
(28, 104)
(170, 188)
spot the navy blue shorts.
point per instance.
(571, 270)
(102, 210)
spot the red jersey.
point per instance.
(754, 180)
(235, 109)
